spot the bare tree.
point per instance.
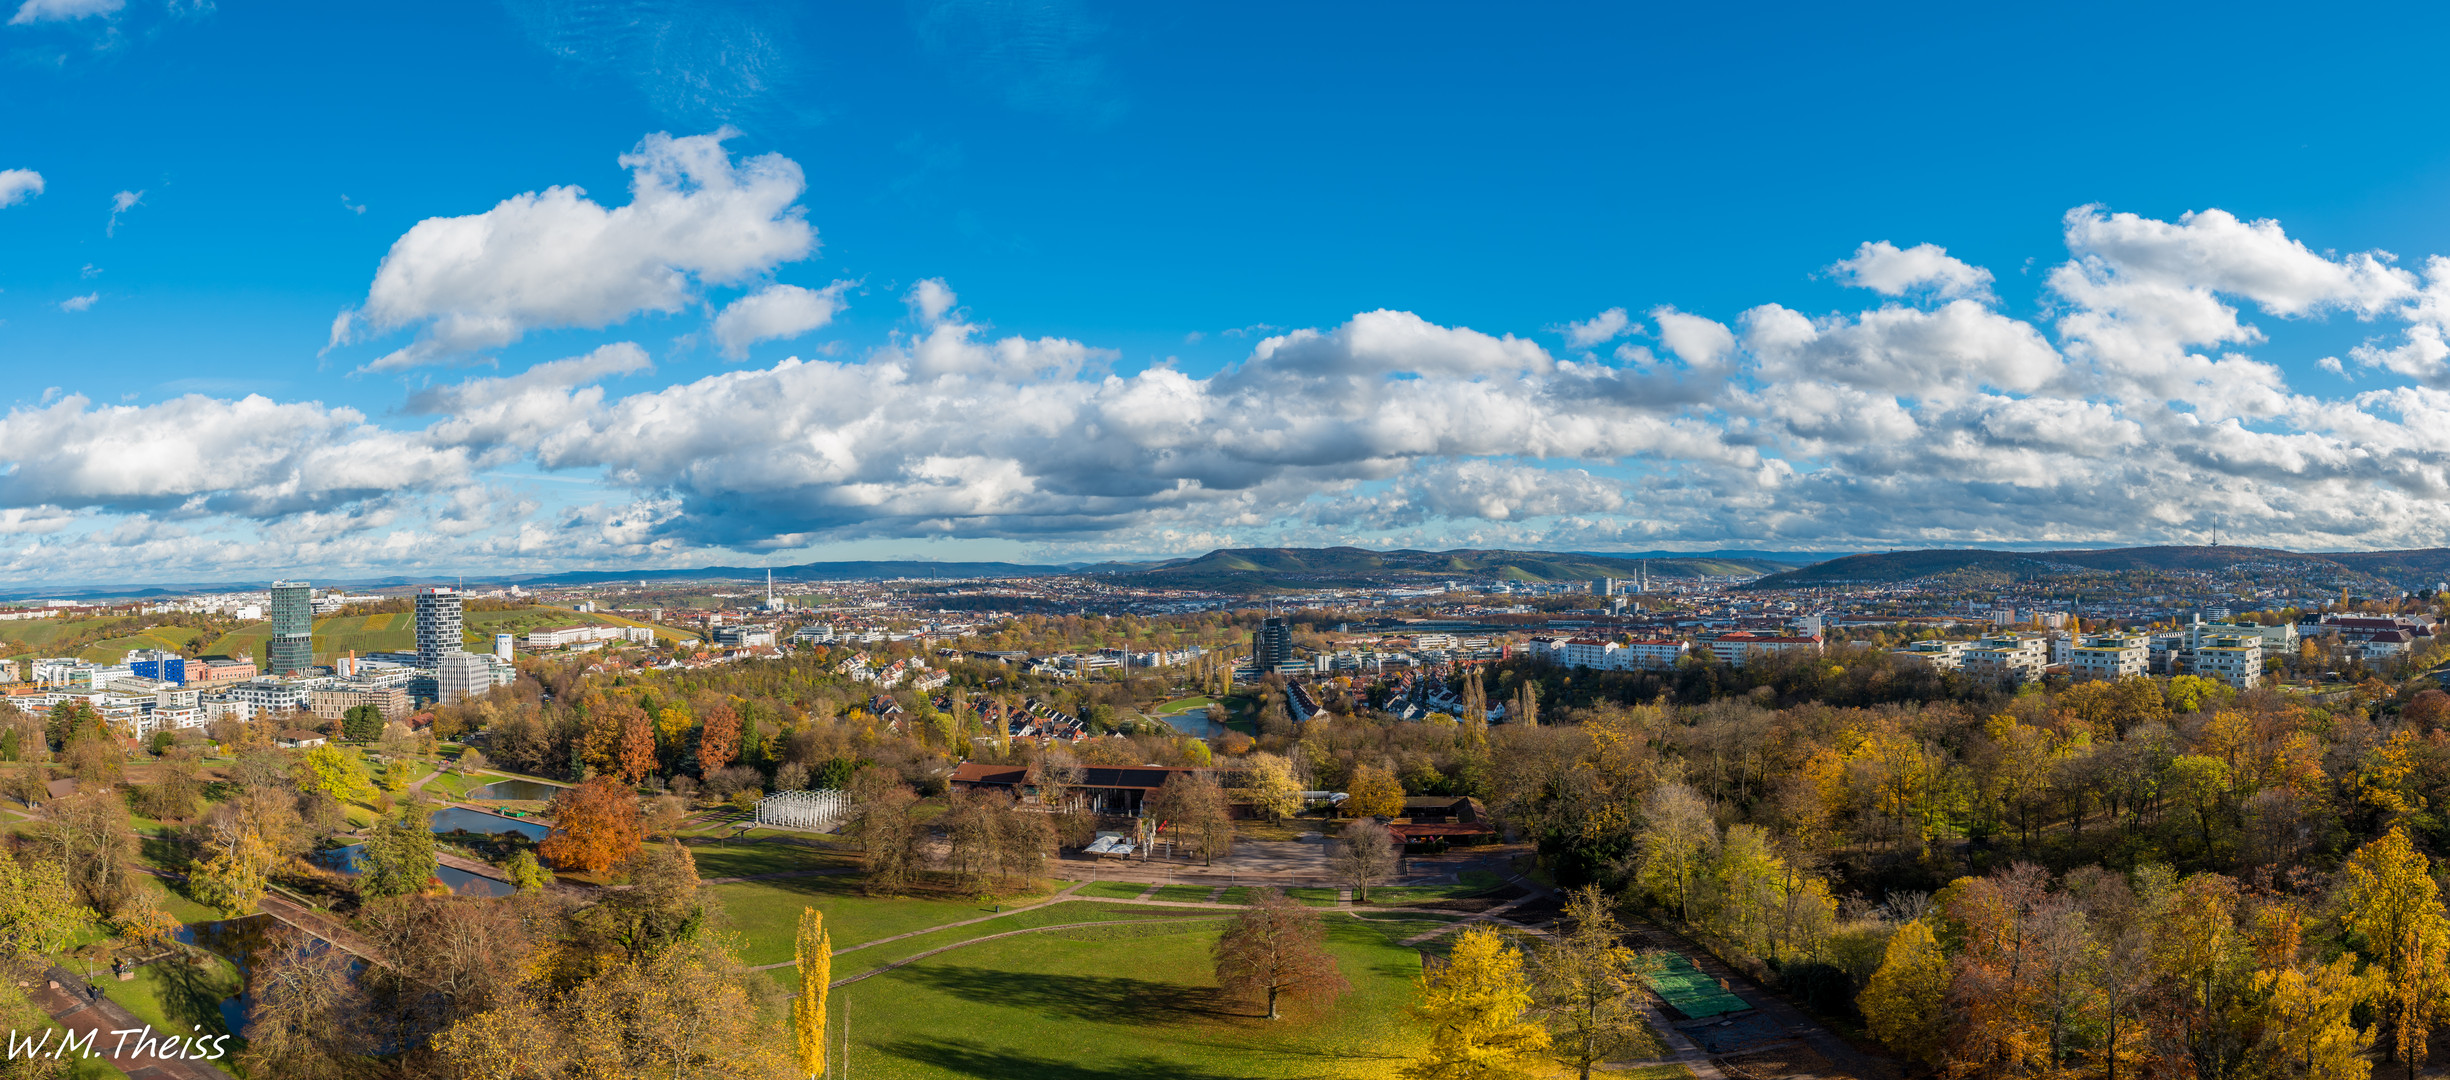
(1195, 806)
(1365, 858)
(1276, 947)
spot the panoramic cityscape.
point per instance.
(1048, 539)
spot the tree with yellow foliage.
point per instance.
(1478, 1009)
(2308, 1033)
(1374, 792)
(1905, 1002)
(2391, 905)
(814, 949)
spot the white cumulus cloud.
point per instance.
(19, 185)
(79, 303)
(1604, 327)
(774, 313)
(558, 259)
(1886, 269)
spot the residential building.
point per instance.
(438, 626)
(2276, 640)
(333, 701)
(1736, 647)
(502, 646)
(2110, 657)
(1652, 654)
(1588, 653)
(554, 637)
(2236, 659)
(1944, 655)
(2008, 659)
(291, 648)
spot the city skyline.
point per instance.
(749, 312)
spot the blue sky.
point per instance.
(1162, 188)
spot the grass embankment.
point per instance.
(180, 994)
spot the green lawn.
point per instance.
(1050, 1007)
(1239, 894)
(1070, 911)
(1113, 890)
(743, 860)
(1180, 705)
(1314, 897)
(1474, 883)
(767, 913)
(175, 995)
(1192, 893)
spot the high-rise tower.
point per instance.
(438, 632)
(1272, 644)
(291, 650)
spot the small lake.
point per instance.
(516, 789)
(350, 859)
(456, 818)
(235, 940)
(1195, 723)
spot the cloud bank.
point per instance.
(2133, 411)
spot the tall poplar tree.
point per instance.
(814, 949)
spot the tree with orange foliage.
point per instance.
(637, 747)
(595, 825)
(719, 743)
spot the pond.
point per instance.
(516, 789)
(1195, 723)
(455, 818)
(235, 940)
(347, 861)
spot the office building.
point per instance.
(291, 649)
(467, 674)
(438, 633)
(1272, 643)
(502, 647)
(158, 664)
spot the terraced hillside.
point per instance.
(1344, 567)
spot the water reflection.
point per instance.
(351, 860)
(456, 818)
(238, 941)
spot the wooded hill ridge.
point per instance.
(1971, 568)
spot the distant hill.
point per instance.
(1975, 569)
(1234, 569)
(864, 570)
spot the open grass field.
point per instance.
(1182, 705)
(1063, 914)
(1474, 883)
(744, 860)
(1068, 1005)
(767, 913)
(1186, 893)
(1313, 897)
(1113, 890)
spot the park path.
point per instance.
(71, 1001)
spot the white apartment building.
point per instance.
(2008, 659)
(2110, 657)
(2236, 659)
(1652, 654)
(1587, 653)
(554, 637)
(1944, 655)
(2274, 639)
